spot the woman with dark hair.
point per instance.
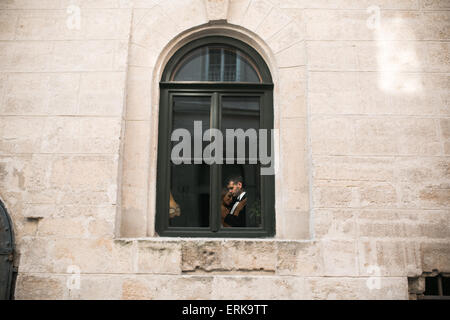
(227, 199)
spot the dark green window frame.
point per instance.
(214, 90)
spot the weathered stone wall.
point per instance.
(362, 194)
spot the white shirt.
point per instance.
(237, 202)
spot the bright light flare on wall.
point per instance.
(398, 63)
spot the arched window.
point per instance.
(215, 174)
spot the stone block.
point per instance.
(28, 56)
(418, 136)
(203, 256)
(237, 10)
(341, 25)
(434, 26)
(144, 4)
(385, 258)
(345, 288)
(38, 211)
(39, 287)
(49, 25)
(96, 173)
(8, 22)
(445, 129)
(40, 94)
(294, 224)
(331, 56)
(289, 35)
(435, 256)
(272, 22)
(185, 13)
(335, 195)
(400, 93)
(163, 287)
(19, 135)
(293, 166)
(92, 55)
(159, 257)
(346, 4)
(335, 93)
(217, 9)
(335, 224)
(133, 220)
(154, 30)
(423, 196)
(429, 171)
(140, 57)
(402, 135)
(34, 255)
(101, 228)
(355, 168)
(102, 93)
(62, 227)
(388, 229)
(256, 13)
(292, 56)
(292, 89)
(81, 135)
(435, 4)
(138, 94)
(300, 258)
(331, 135)
(78, 197)
(106, 23)
(100, 255)
(96, 287)
(376, 136)
(249, 256)
(340, 257)
(378, 195)
(260, 288)
(135, 153)
(120, 62)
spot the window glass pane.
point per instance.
(446, 286)
(216, 63)
(242, 116)
(189, 183)
(431, 286)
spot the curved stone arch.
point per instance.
(136, 211)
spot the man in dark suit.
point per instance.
(236, 216)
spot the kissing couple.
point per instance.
(234, 201)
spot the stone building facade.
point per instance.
(361, 102)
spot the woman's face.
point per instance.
(227, 199)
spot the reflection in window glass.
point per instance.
(241, 113)
(216, 63)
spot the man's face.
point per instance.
(234, 188)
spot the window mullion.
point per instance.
(215, 184)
